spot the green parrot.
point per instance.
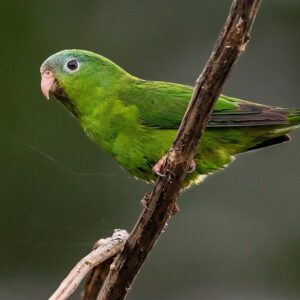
(136, 120)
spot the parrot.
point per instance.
(136, 120)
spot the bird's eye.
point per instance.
(72, 65)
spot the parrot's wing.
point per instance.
(162, 105)
(246, 113)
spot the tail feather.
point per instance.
(294, 117)
(271, 142)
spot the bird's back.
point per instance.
(235, 126)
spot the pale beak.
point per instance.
(47, 83)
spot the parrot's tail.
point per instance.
(293, 117)
(290, 120)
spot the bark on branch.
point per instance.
(230, 45)
(103, 251)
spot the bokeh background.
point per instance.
(237, 236)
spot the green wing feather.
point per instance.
(162, 105)
(235, 125)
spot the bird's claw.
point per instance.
(192, 167)
(158, 166)
(160, 174)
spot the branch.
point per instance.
(96, 279)
(231, 44)
(104, 250)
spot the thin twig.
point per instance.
(231, 44)
(96, 279)
(105, 249)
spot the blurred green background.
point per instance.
(237, 236)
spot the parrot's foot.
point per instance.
(192, 167)
(145, 203)
(158, 166)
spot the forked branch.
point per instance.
(103, 251)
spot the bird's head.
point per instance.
(74, 77)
